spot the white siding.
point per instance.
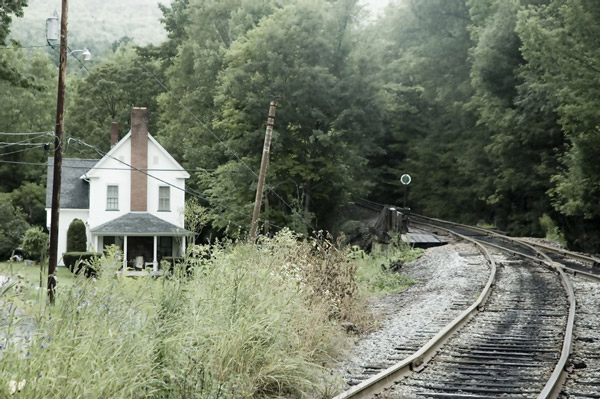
(170, 175)
(160, 166)
(113, 173)
(64, 220)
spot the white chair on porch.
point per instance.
(139, 262)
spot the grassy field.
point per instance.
(250, 321)
(27, 277)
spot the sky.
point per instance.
(375, 6)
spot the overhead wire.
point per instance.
(23, 150)
(221, 141)
(24, 133)
(26, 142)
(187, 191)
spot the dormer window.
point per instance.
(112, 198)
(164, 198)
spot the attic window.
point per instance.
(112, 198)
(164, 198)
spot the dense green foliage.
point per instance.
(490, 106)
(76, 236)
(35, 242)
(12, 226)
(81, 261)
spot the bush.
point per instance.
(12, 226)
(76, 236)
(81, 261)
(35, 242)
(377, 273)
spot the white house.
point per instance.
(133, 197)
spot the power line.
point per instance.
(25, 163)
(25, 133)
(23, 150)
(188, 110)
(4, 144)
(187, 191)
(20, 47)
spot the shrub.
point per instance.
(552, 230)
(12, 226)
(81, 261)
(76, 236)
(377, 274)
(35, 242)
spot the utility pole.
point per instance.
(264, 164)
(58, 140)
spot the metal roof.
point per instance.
(139, 223)
(74, 192)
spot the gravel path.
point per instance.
(583, 380)
(450, 279)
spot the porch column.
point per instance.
(154, 262)
(124, 253)
(182, 248)
(95, 243)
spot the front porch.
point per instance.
(145, 253)
(144, 239)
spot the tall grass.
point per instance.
(375, 273)
(250, 321)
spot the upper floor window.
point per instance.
(112, 198)
(164, 198)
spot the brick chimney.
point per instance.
(114, 134)
(139, 159)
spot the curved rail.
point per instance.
(387, 377)
(554, 383)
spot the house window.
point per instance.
(164, 198)
(112, 198)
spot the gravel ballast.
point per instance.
(449, 279)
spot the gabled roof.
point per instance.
(74, 192)
(139, 223)
(110, 155)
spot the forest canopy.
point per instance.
(491, 107)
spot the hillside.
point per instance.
(93, 23)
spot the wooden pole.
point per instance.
(58, 139)
(263, 170)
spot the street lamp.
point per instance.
(53, 36)
(85, 52)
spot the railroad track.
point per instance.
(509, 350)
(520, 345)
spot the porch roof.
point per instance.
(139, 224)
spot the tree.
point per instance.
(300, 54)
(201, 31)
(31, 198)
(26, 109)
(9, 73)
(422, 48)
(107, 95)
(560, 44)
(12, 226)
(76, 236)
(525, 135)
(35, 242)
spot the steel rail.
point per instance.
(556, 380)
(387, 377)
(570, 254)
(533, 246)
(554, 384)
